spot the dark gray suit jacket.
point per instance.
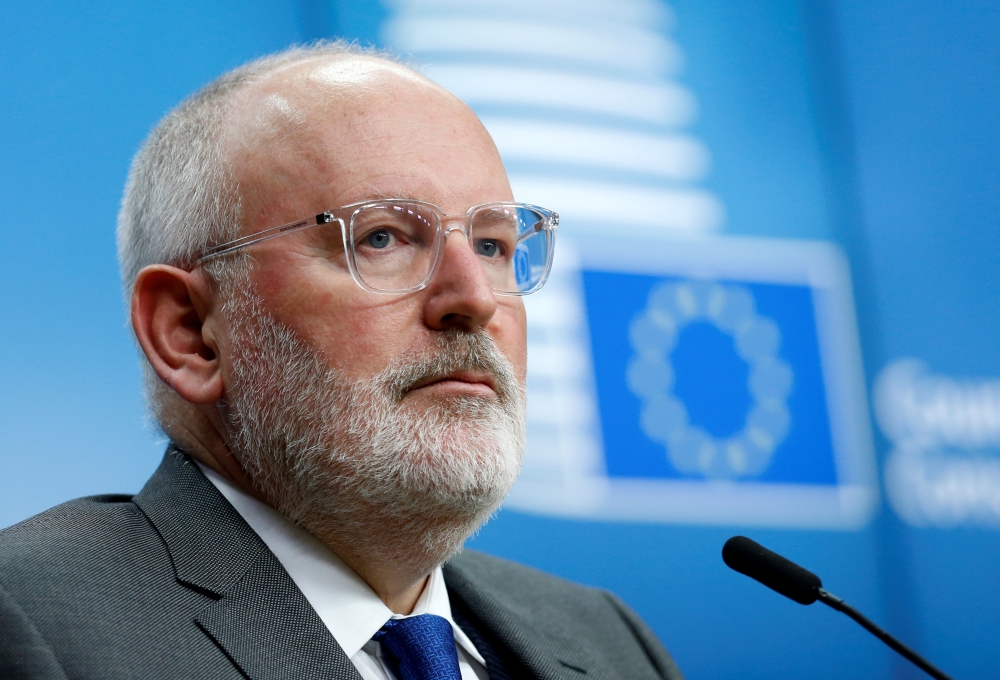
(172, 583)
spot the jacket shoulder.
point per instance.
(60, 532)
(89, 589)
(87, 550)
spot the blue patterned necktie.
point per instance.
(420, 648)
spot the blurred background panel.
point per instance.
(81, 87)
(772, 312)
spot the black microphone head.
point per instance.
(774, 571)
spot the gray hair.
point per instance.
(182, 197)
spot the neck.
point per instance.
(395, 590)
(404, 602)
(394, 556)
(198, 433)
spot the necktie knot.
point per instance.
(420, 648)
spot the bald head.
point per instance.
(344, 128)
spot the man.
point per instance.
(343, 388)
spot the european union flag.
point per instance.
(708, 381)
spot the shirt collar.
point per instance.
(349, 608)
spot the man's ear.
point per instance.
(169, 310)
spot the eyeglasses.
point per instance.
(395, 245)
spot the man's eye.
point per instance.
(487, 247)
(379, 239)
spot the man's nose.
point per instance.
(459, 294)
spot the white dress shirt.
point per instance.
(349, 608)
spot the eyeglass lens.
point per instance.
(395, 245)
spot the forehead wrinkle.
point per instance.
(273, 123)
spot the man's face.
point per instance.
(338, 133)
(397, 418)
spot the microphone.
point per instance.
(784, 576)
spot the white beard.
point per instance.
(353, 463)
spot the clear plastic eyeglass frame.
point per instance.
(544, 228)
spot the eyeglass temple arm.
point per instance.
(538, 226)
(268, 234)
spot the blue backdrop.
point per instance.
(870, 126)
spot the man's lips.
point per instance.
(462, 380)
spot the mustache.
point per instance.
(450, 352)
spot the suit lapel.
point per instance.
(260, 619)
(268, 629)
(542, 650)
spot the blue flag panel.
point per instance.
(723, 382)
(713, 382)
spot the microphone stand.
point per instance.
(832, 600)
